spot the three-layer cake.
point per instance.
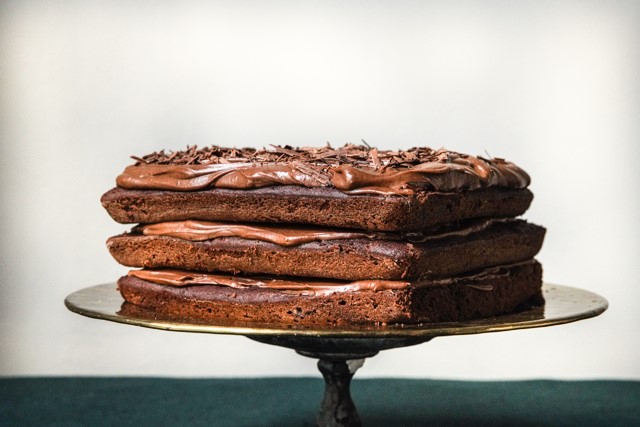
(325, 236)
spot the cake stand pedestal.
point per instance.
(342, 350)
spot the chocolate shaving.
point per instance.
(375, 159)
(309, 170)
(138, 159)
(285, 150)
(314, 160)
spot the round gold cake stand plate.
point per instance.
(342, 350)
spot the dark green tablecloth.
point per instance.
(294, 401)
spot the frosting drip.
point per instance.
(197, 231)
(420, 169)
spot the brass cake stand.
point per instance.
(342, 350)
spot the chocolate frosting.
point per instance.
(351, 169)
(195, 230)
(306, 286)
(302, 286)
(283, 235)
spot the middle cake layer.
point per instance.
(327, 253)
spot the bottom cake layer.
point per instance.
(487, 293)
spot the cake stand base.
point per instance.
(337, 408)
(340, 358)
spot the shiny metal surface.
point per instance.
(564, 304)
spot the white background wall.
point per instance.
(551, 85)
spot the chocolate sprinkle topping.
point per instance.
(356, 155)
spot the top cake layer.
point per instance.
(350, 169)
(350, 187)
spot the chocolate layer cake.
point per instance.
(325, 236)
